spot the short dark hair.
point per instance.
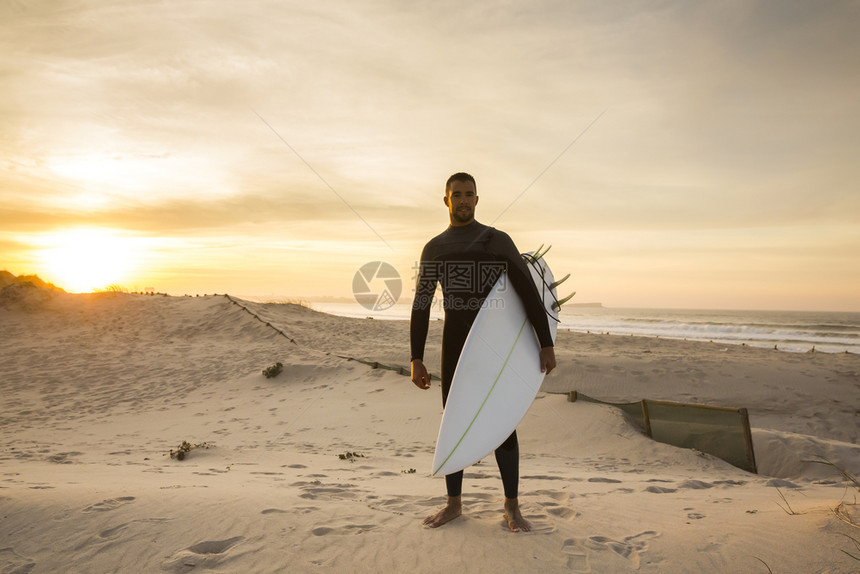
(460, 176)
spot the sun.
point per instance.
(84, 260)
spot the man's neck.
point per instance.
(455, 223)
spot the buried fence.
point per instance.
(377, 365)
(372, 364)
(723, 432)
(720, 431)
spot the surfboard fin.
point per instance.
(559, 282)
(533, 256)
(539, 254)
(557, 305)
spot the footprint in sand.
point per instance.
(630, 548)
(781, 483)
(660, 490)
(563, 512)
(412, 505)
(318, 490)
(695, 485)
(108, 504)
(215, 546)
(14, 563)
(206, 555)
(727, 483)
(112, 533)
(347, 529)
(577, 555)
(555, 505)
(556, 495)
(63, 457)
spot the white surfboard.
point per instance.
(497, 376)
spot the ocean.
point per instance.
(794, 331)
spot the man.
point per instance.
(466, 259)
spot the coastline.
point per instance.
(792, 331)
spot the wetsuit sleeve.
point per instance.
(425, 287)
(521, 279)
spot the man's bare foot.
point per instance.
(452, 510)
(516, 522)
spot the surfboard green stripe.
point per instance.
(502, 370)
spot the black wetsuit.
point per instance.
(467, 260)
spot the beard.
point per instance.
(463, 216)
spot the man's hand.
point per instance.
(421, 377)
(547, 361)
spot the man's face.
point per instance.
(461, 200)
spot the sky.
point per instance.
(676, 154)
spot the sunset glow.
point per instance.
(674, 154)
(83, 260)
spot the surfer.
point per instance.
(467, 259)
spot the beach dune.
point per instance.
(325, 467)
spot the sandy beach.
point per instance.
(326, 467)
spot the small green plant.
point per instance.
(787, 508)
(850, 479)
(350, 456)
(184, 448)
(856, 545)
(765, 564)
(410, 471)
(112, 288)
(841, 511)
(273, 371)
(845, 515)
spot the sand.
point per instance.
(325, 468)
